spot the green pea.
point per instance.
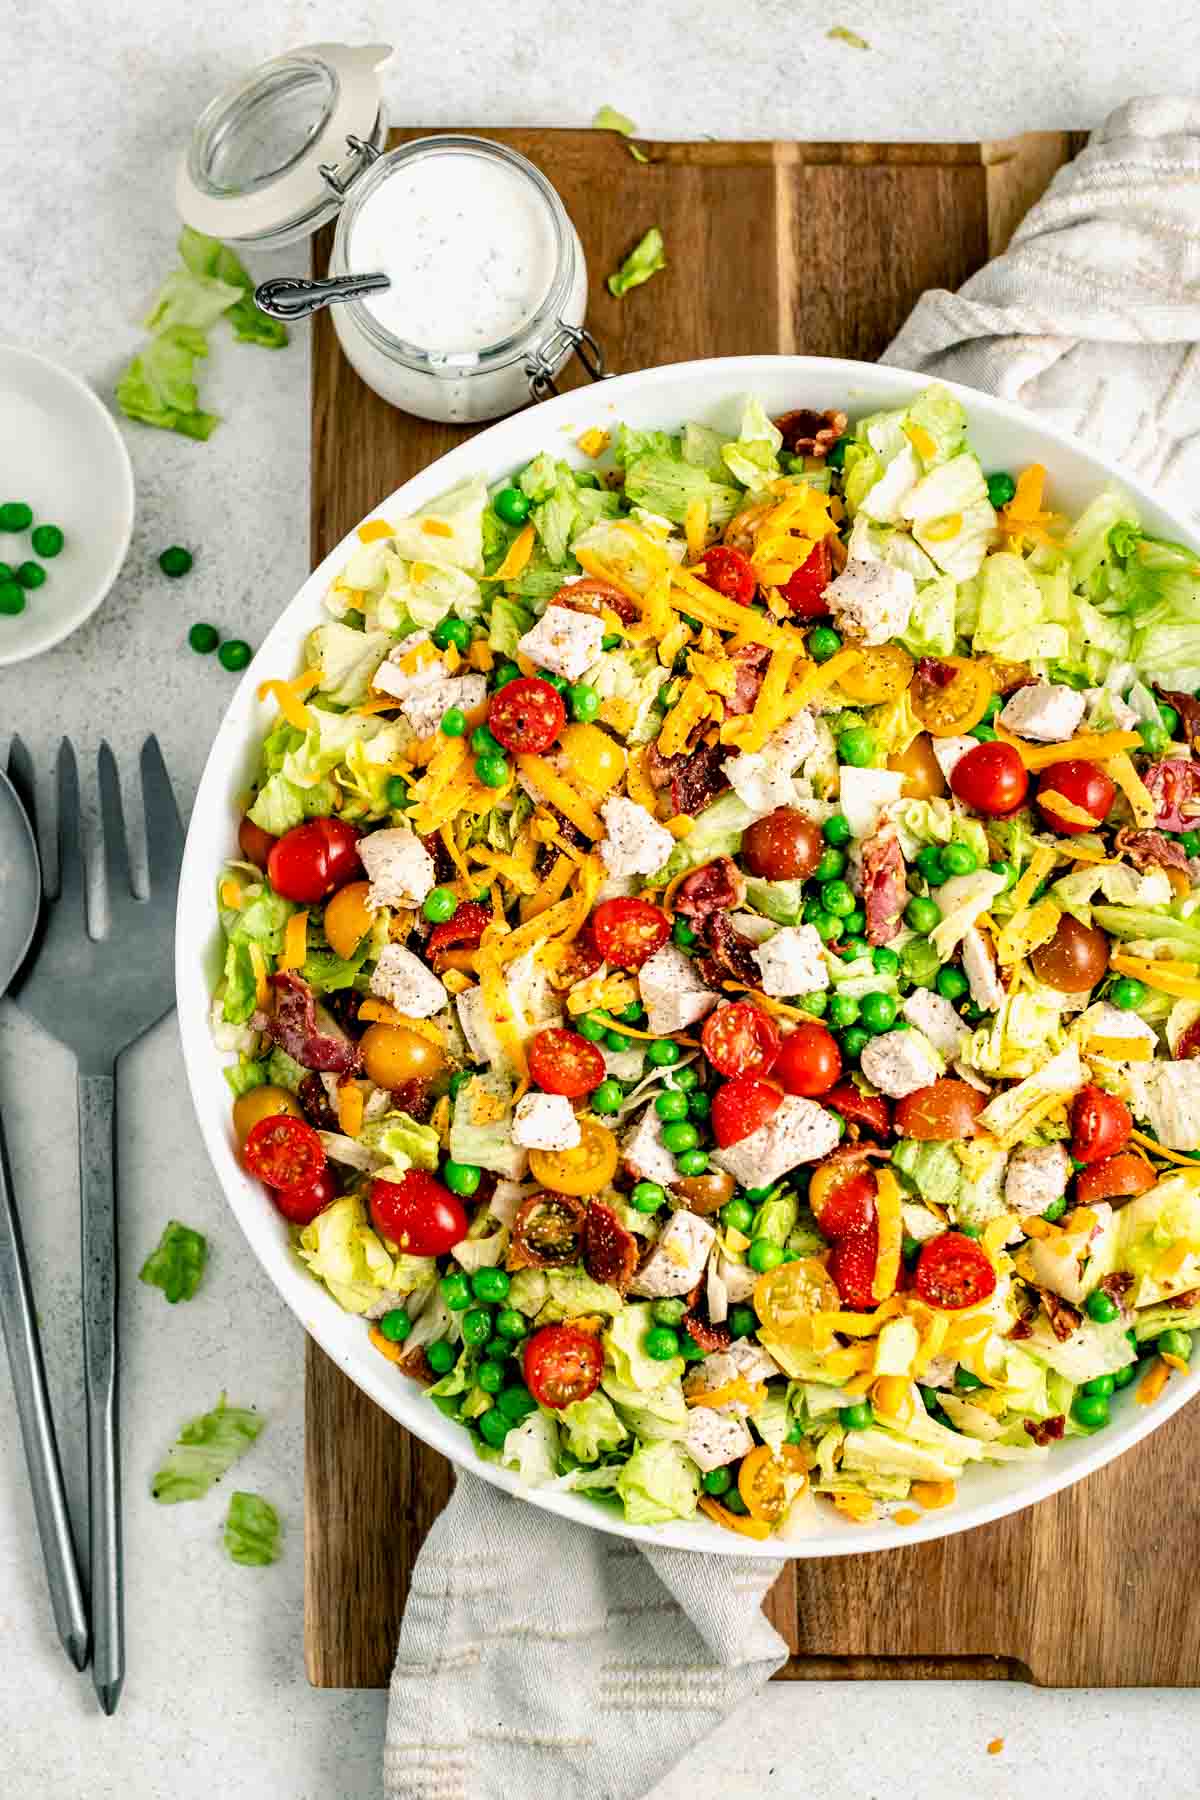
(816, 1004)
(717, 1482)
(516, 1403)
(922, 914)
(175, 561)
(856, 747)
(489, 1285)
(690, 1350)
(490, 1376)
(886, 961)
(1099, 1384)
(607, 1098)
(510, 1323)
(854, 1042)
(951, 984)
(1175, 1343)
(499, 1349)
(477, 1326)
(843, 1010)
(1191, 842)
(692, 1162)
(823, 642)
(492, 771)
(986, 734)
(662, 1052)
(1154, 738)
(611, 640)
(31, 575)
(1127, 993)
(683, 934)
(395, 1325)
(204, 639)
(681, 1136)
(878, 1012)
(1000, 488)
(648, 1196)
(616, 1041)
(671, 1105)
(910, 1250)
(234, 655)
(737, 1215)
(685, 1080)
(831, 865)
(454, 722)
(458, 1081)
(1090, 1411)
(827, 925)
(441, 1356)
(47, 540)
(511, 505)
(1056, 1208)
(759, 1194)
(734, 1503)
(633, 1014)
(836, 831)
(1101, 1307)
(661, 1343)
(959, 859)
(451, 631)
(1169, 717)
(763, 1255)
(699, 1105)
(668, 1312)
(967, 1230)
(743, 1321)
(856, 922)
(396, 792)
(484, 744)
(583, 702)
(1008, 871)
(494, 1428)
(857, 1417)
(837, 898)
(463, 1178)
(964, 1379)
(439, 905)
(1123, 1377)
(504, 672)
(455, 1291)
(929, 864)
(559, 683)
(592, 1026)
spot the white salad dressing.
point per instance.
(468, 245)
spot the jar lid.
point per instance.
(267, 158)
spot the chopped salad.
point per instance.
(712, 963)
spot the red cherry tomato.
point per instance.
(741, 1039)
(300, 1205)
(562, 1062)
(1189, 1042)
(783, 846)
(953, 1271)
(1100, 1125)
(526, 715)
(467, 926)
(308, 862)
(740, 1106)
(418, 1213)
(852, 1265)
(809, 1062)
(991, 778)
(805, 590)
(944, 1110)
(254, 843)
(562, 1364)
(284, 1152)
(1083, 784)
(627, 931)
(728, 572)
(870, 1111)
(847, 1207)
(1118, 1177)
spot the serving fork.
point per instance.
(96, 979)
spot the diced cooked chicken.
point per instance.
(871, 601)
(900, 1062)
(545, 1122)
(739, 1279)
(1037, 1177)
(792, 961)
(410, 666)
(644, 1153)
(428, 705)
(798, 1131)
(713, 1439)
(1119, 1036)
(863, 794)
(676, 1263)
(982, 970)
(1044, 712)
(753, 1363)
(564, 641)
(634, 842)
(949, 751)
(765, 779)
(934, 1015)
(404, 982)
(672, 992)
(398, 867)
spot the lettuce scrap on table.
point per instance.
(176, 1264)
(711, 968)
(251, 1531)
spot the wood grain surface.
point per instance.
(820, 249)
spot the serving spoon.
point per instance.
(296, 297)
(20, 904)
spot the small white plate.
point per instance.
(61, 452)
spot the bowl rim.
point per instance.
(125, 499)
(405, 1402)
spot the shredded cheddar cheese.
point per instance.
(695, 528)
(350, 1103)
(289, 696)
(517, 556)
(891, 1234)
(1153, 1382)
(231, 896)
(1167, 977)
(594, 442)
(262, 992)
(1091, 747)
(549, 784)
(295, 942)
(373, 530)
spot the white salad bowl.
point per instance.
(1006, 437)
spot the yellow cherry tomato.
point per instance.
(392, 1055)
(585, 1170)
(769, 1481)
(260, 1103)
(923, 779)
(591, 758)
(786, 1297)
(347, 920)
(881, 673)
(950, 694)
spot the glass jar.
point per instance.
(475, 322)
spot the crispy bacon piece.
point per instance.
(293, 1026)
(694, 777)
(709, 1337)
(1046, 1431)
(415, 1097)
(343, 1004)
(316, 1105)
(1064, 1320)
(809, 433)
(730, 956)
(885, 885)
(464, 930)
(580, 959)
(750, 663)
(570, 834)
(1174, 787)
(416, 1364)
(1116, 1286)
(1022, 1329)
(444, 871)
(1153, 849)
(610, 1253)
(546, 1232)
(718, 887)
(930, 671)
(1188, 708)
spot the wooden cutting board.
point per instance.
(819, 249)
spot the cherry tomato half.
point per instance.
(804, 590)
(809, 1062)
(300, 1205)
(953, 1271)
(842, 1195)
(1189, 1042)
(254, 843)
(881, 673)
(310, 860)
(1081, 784)
(562, 1062)
(869, 1111)
(562, 1364)
(418, 1213)
(991, 778)
(284, 1152)
(852, 1264)
(741, 1039)
(1100, 1124)
(950, 694)
(526, 715)
(782, 846)
(1075, 958)
(1118, 1177)
(627, 931)
(740, 1106)
(945, 1110)
(728, 572)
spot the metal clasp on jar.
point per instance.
(543, 367)
(338, 176)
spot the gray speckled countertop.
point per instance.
(99, 98)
